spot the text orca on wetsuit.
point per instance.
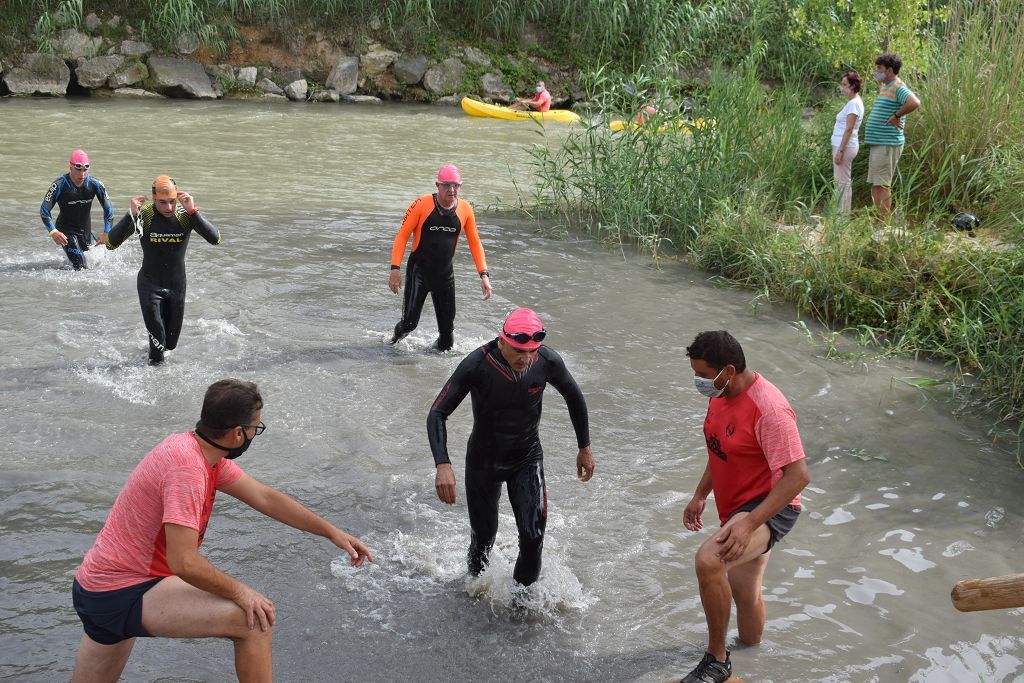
(73, 192)
(435, 230)
(504, 445)
(164, 237)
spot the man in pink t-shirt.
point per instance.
(144, 576)
(541, 101)
(756, 469)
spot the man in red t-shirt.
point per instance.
(756, 469)
(144, 576)
(541, 101)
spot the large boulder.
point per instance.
(38, 74)
(344, 77)
(297, 90)
(493, 85)
(95, 72)
(129, 74)
(247, 74)
(223, 72)
(476, 57)
(134, 48)
(324, 96)
(444, 78)
(269, 87)
(409, 69)
(180, 78)
(73, 44)
(376, 62)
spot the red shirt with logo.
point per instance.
(750, 438)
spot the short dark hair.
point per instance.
(717, 349)
(229, 403)
(853, 78)
(890, 60)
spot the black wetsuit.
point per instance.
(75, 219)
(504, 445)
(161, 280)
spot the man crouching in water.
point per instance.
(144, 576)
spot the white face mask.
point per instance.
(707, 387)
(879, 76)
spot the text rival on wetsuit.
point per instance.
(163, 228)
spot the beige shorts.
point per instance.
(882, 161)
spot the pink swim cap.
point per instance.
(523, 329)
(449, 173)
(79, 157)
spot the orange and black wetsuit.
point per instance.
(435, 232)
(504, 445)
(161, 280)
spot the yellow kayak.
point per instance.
(685, 127)
(494, 111)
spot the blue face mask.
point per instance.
(707, 387)
(538, 88)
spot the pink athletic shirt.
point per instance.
(541, 101)
(173, 484)
(750, 438)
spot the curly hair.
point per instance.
(890, 60)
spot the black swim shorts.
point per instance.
(779, 525)
(112, 616)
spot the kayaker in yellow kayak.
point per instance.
(541, 101)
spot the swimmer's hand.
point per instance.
(186, 201)
(485, 286)
(135, 204)
(395, 280)
(102, 239)
(444, 483)
(585, 464)
(59, 238)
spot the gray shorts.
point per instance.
(779, 525)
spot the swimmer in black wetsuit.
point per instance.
(435, 222)
(73, 192)
(506, 379)
(163, 231)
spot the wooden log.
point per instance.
(997, 592)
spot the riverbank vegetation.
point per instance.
(750, 197)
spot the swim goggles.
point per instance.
(525, 338)
(81, 167)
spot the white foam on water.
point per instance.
(991, 659)
(911, 558)
(866, 589)
(839, 516)
(957, 548)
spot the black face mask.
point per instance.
(232, 453)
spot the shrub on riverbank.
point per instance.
(741, 196)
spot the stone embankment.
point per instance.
(83, 61)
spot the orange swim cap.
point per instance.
(164, 188)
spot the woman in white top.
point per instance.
(845, 143)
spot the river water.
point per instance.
(904, 502)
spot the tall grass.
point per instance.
(741, 198)
(966, 142)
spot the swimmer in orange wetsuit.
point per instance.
(435, 221)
